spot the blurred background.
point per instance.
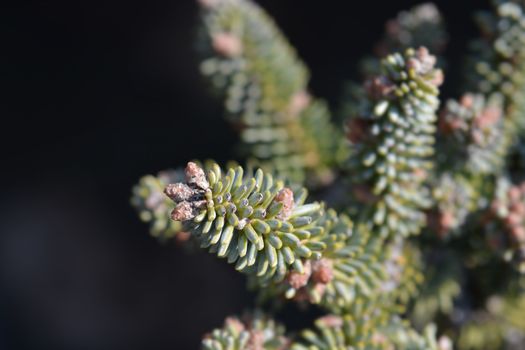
(96, 94)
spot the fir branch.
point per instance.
(422, 25)
(287, 247)
(471, 151)
(254, 221)
(366, 275)
(472, 137)
(393, 140)
(505, 223)
(348, 332)
(500, 60)
(264, 87)
(358, 275)
(444, 276)
(455, 199)
(500, 325)
(253, 332)
(350, 267)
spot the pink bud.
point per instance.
(299, 102)
(227, 44)
(196, 176)
(298, 280)
(183, 212)
(322, 271)
(178, 192)
(285, 196)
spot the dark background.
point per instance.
(96, 94)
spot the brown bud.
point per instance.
(183, 212)
(285, 196)
(178, 192)
(196, 176)
(227, 44)
(322, 271)
(298, 280)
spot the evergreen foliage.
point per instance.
(264, 87)
(393, 143)
(255, 331)
(426, 248)
(152, 205)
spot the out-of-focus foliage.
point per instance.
(472, 137)
(505, 225)
(347, 332)
(264, 87)
(422, 25)
(252, 332)
(154, 207)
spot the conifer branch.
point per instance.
(252, 332)
(500, 60)
(348, 332)
(264, 86)
(254, 221)
(410, 172)
(505, 223)
(393, 141)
